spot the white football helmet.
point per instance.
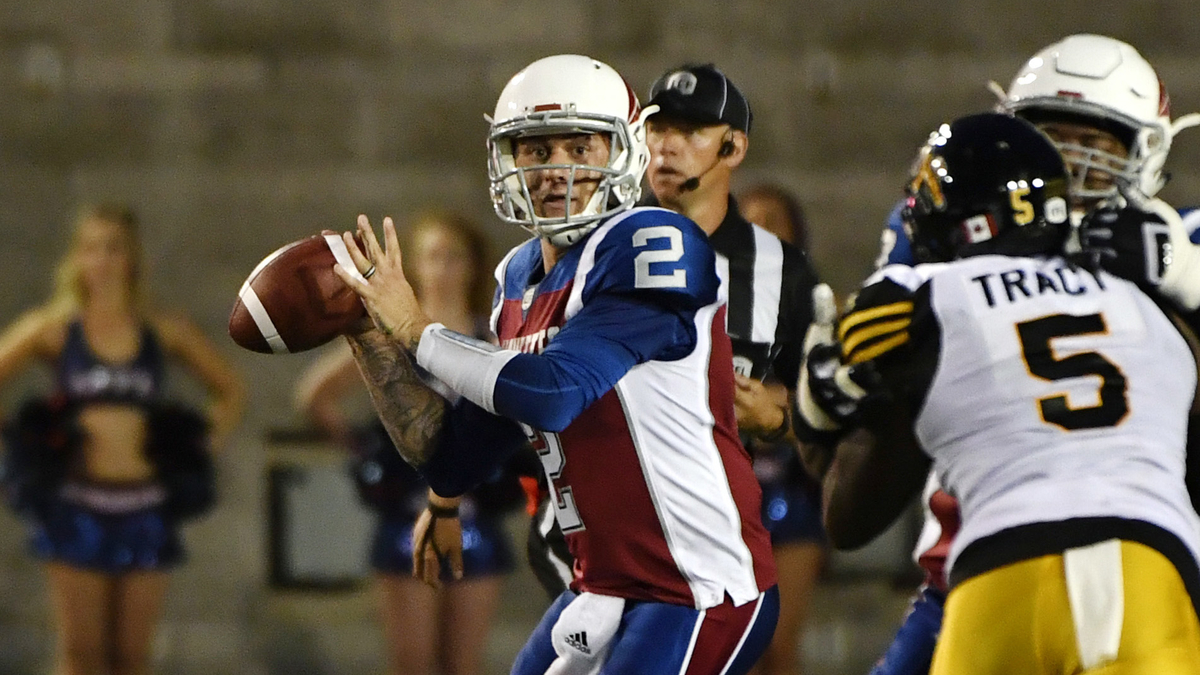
(567, 94)
(1098, 78)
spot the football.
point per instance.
(292, 301)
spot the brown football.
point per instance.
(293, 301)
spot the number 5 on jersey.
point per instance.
(1038, 352)
(549, 450)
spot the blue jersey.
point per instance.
(616, 364)
(624, 380)
(1191, 221)
(641, 282)
(894, 246)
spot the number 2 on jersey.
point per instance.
(549, 450)
(643, 277)
(1039, 357)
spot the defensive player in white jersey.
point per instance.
(1108, 113)
(614, 360)
(1051, 401)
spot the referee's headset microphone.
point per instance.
(724, 151)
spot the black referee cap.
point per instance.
(701, 93)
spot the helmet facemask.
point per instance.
(618, 185)
(1095, 174)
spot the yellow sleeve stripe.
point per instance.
(855, 318)
(856, 338)
(878, 348)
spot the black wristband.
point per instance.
(442, 511)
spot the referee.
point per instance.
(697, 139)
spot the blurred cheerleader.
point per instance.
(105, 469)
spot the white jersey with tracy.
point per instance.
(1057, 394)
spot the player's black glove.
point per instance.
(1128, 242)
(838, 389)
(1145, 242)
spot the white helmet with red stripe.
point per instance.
(567, 94)
(1106, 83)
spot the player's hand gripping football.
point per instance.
(1144, 240)
(437, 536)
(384, 289)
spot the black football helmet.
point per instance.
(987, 183)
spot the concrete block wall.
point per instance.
(236, 126)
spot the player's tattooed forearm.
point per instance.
(410, 343)
(411, 412)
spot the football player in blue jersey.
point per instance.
(697, 139)
(614, 362)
